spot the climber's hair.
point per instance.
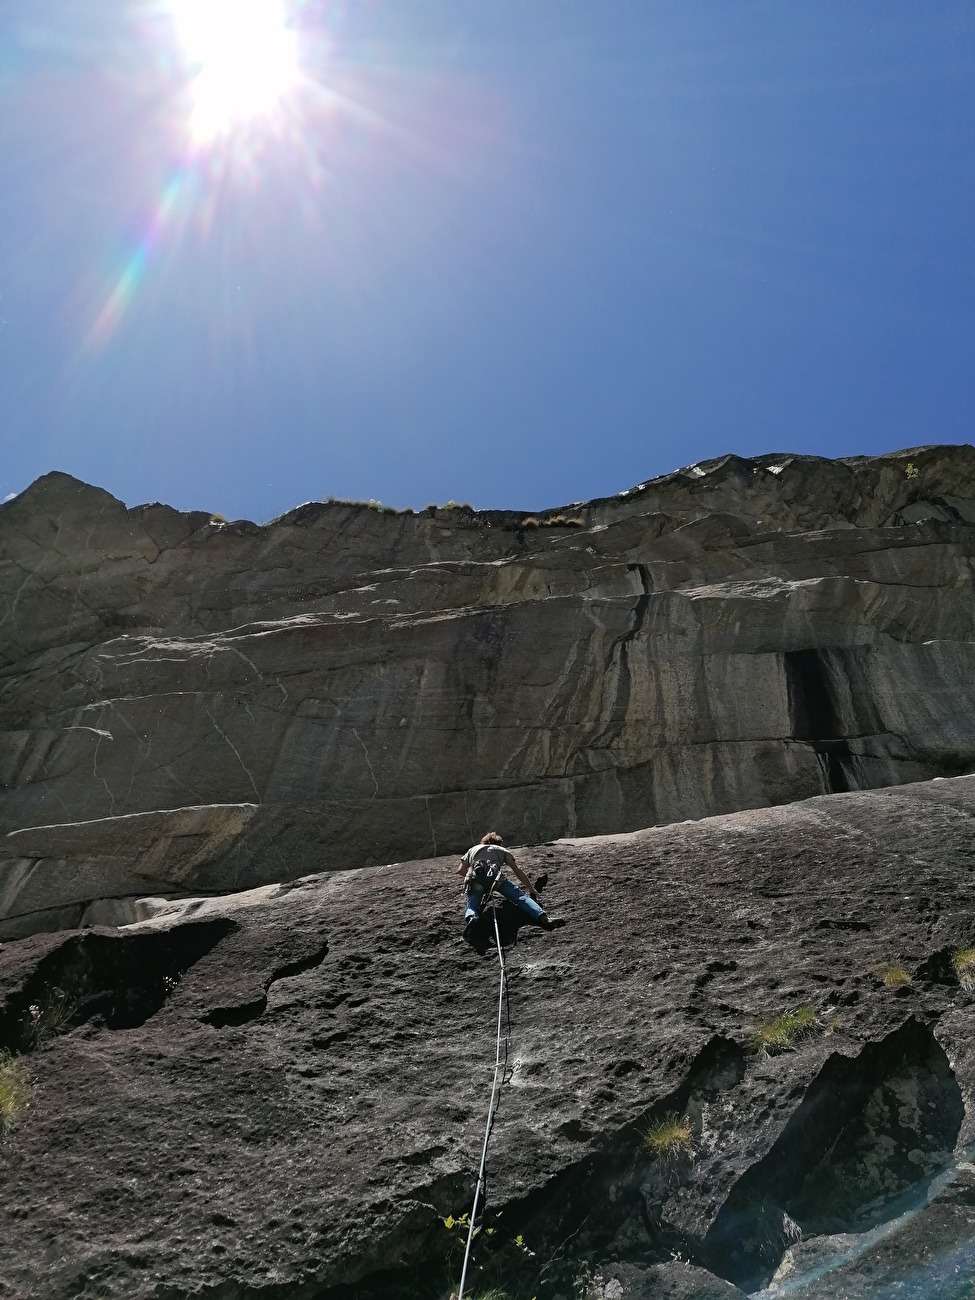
(492, 837)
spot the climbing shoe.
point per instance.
(546, 922)
(475, 935)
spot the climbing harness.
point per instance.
(499, 1067)
(484, 870)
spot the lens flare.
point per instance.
(105, 323)
(244, 59)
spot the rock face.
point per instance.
(281, 1094)
(346, 686)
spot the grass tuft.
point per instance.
(14, 1089)
(492, 1293)
(782, 1033)
(670, 1138)
(49, 1016)
(531, 522)
(894, 976)
(963, 964)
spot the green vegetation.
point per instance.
(492, 1293)
(554, 521)
(371, 504)
(963, 964)
(782, 1033)
(504, 1262)
(456, 505)
(912, 470)
(670, 1138)
(49, 1016)
(585, 1286)
(14, 1089)
(894, 976)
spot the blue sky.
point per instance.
(511, 252)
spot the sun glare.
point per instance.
(244, 59)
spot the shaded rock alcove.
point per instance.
(869, 1129)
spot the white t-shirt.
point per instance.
(487, 855)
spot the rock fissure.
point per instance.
(243, 1012)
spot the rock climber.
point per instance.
(481, 866)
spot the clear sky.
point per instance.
(511, 252)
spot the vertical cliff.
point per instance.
(210, 706)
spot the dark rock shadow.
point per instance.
(124, 979)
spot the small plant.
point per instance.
(50, 1016)
(14, 1089)
(492, 1293)
(576, 521)
(670, 1138)
(911, 470)
(782, 1033)
(963, 964)
(218, 519)
(557, 521)
(833, 1024)
(893, 976)
(372, 504)
(531, 522)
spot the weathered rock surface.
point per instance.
(281, 1093)
(383, 686)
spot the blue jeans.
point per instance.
(507, 889)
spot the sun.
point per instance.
(243, 56)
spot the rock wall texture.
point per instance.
(280, 1094)
(189, 706)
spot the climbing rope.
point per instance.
(492, 1106)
